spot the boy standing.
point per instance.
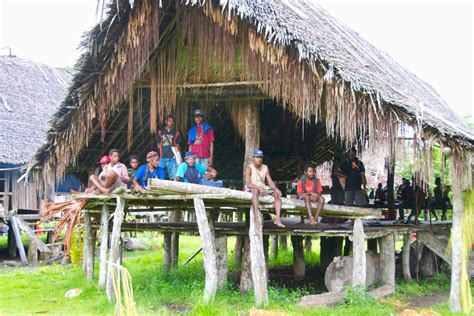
(167, 138)
(201, 140)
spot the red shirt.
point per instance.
(202, 144)
(309, 187)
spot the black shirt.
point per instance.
(167, 139)
(336, 185)
(353, 170)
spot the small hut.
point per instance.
(286, 77)
(30, 93)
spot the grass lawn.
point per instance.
(41, 290)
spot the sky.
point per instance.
(433, 39)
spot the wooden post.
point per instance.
(221, 251)
(331, 247)
(33, 252)
(308, 244)
(257, 260)
(19, 244)
(406, 257)
(274, 246)
(104, 243)
(390, 182)
(358, 254)
(455, 304)
(246, 270)
(167, 251)
(209, 251)
(283, 240)
(11, 241)
(239, 243)
(298, 257)
(387, 260)
(174, 216)
(89, 248)
(115, 246)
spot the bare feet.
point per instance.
(278, 223)
(313, 221)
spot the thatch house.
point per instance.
(30, 93)
(288, 78)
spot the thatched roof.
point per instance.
(298, 55)
(29, 95)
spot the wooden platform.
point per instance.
(293, 227)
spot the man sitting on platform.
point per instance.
(191, 172)
(309, 189)
(255, 175)
(113, 176)
(147, 171)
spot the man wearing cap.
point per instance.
(167, 138)
(255, 175)
(103, 161)
(191, 172)
(113, 176)
(201, 140)
(146, 171)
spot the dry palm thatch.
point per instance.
(70, 212)
(30, 93)
(312, 63)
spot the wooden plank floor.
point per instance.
(293, 227)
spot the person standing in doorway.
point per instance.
(201, 140)
(353, 171)
(167, 138)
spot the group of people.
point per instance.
(165, 162)
(196, 167)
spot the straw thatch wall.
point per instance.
(30, 93)
(297, 54)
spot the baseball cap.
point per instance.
(104, 159)
(189, 154)
(257, 153)
(198, 112)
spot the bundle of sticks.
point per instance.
(70, 216)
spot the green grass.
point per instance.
(41, 290)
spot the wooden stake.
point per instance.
(89, 248)
(221, 251)
(406, 257)
(33, 252)
(387, 260)
(115, 245)
(209, 251)
(298, 257)
(246, 271)
(19, 244)
(167, 251)
(104, 243)
(257, 260)
(358, 254)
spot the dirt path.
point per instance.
(428, 300)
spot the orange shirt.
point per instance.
(309, 187)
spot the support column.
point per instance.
(239, 243)
(406, 257)
(274, 247)
(174, 216)
(257, 259)
(11, 241)
(283, 240)
(358, 253)
(33, 252)
(455, 304)
(298, 257)
(246, 271)
(209, 251)
(222, 269)
(89, 247)
(308, 244)
(115, 246)
(387, 260)
(104, 242)
(167, 251)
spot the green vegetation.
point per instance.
(41, 290)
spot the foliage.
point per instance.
(77, 247)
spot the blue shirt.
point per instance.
(143, 174)
(184, 166)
